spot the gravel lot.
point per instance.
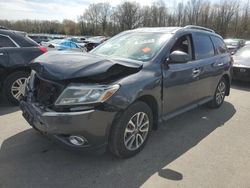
(201, 148)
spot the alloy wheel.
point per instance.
(136, 131)
(18, 88)
(220, 94)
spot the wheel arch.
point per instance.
(10, 71)
(152, 103)
(17, 69)
(227, 78)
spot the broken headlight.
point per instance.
(85, 94)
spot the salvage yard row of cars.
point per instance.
(114, 95)
(60, 42)
(240, 49)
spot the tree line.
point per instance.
(229, 18)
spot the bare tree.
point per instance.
(230, 18)
(129, 15)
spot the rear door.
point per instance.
(205, 59)
(5, 44)
(223, 60)
(3, 57)
(19, 53)
(3, 62)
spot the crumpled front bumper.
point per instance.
(94, 125)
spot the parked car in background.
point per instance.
(242, 42)
(114, 95)
(78, 40)
(39, 38)
(241, 66)
(233, 45)
(16, 51)
(247, 42)
(63, 44)
(93, 42)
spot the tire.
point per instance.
(127, 139)
(12, 85)
(219, 94)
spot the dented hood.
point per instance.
(72, 65)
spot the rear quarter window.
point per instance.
(5, 42)
(203, 46)
(24, 41)
(220, 46)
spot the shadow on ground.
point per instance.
(6, 108)
(28, 159)
(245, 86)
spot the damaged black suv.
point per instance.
(116, 94)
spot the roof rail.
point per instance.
(199, 27)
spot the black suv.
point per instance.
(114, 95)
(16, 51)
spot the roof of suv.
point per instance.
(173, 30)
(19, 37)
(158, 29)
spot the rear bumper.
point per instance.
(93, 125)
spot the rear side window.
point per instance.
(220, 46)
(28, 42)
(23, 40)
(203, 46)
(6, 42)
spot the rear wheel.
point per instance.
(14, 86)
(130, 132)
(219, 95)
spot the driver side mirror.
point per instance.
(179, 57)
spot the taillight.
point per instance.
(43, 49)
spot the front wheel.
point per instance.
(130, 132)
(219, 95)
(14, 86)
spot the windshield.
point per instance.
(244, 52)
(137, 46)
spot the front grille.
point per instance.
(46, 92)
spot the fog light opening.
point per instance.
(77, 140)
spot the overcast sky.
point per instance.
(53, 9)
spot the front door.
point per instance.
(180, 80)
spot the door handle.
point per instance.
(196, 72)
(219, 64)
(1, 54)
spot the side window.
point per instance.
(203, 46)
(220, 46)
(6, 42)
(183, 44)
